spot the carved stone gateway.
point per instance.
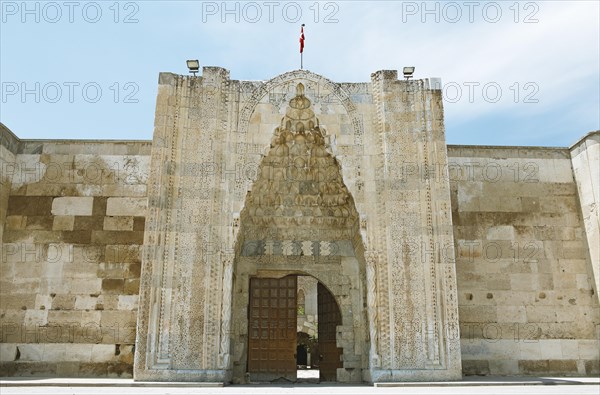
(344, 182)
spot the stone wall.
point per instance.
(73, 221)
(526, 298)
(585, 157)
(8, 147)
(71, 257)
(308, 315)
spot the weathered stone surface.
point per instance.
(269, 174)
(585, 156)
(8, 352)
(119, 223)
(51, 297)
(350, 184)
(523, 275)
(126, 207)
(72, 206)
(29, 205)
(63, 222)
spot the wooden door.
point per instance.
(329, 317)
(272, 329)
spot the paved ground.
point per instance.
(487, 386)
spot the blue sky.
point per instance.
(514, 73)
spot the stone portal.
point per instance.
(298, 175)
(299, 218)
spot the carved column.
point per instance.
(371, 258)
(227, 259)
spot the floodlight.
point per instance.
(193, 65)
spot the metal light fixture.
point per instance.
(408, 72)
(193, 65)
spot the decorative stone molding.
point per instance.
(371, 260)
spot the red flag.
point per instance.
(302, 38)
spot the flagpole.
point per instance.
(301, 46)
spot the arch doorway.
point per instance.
(299, 219)
(274, 351)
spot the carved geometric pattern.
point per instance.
(298, 209)
(298, 247)
(299, 183)
(380, 244)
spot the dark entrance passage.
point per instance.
(329, 318)
(301, 356)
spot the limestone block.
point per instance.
(589, 349)
(117, 206)
(85, 302)
(107, 302)
(120, 317)
(567, 314)
(128, 302)
(504, 367)
(43, 302)
(8, 352)
(112, 271)
(475, 367)
(81, 270)
(63, 222)
(79, 352)
(566, 281)
(529, 350)
(81, 286)
(583, 281)
(502, 349)
(113, 285)
(52, 269)
(31, 352)
(505, 232)
(91, 317)
(551, 349)
(29, 205)
(52, 285)
(540, 314)
(511, 314)
(31, 170)
(569, 348)
(477, 314)
(531, 282)
(55, 352)
(14, 222)
(102, 352)
(36, 318)
(118, 223)
(72, 206)
(568, 367)
(21, 301)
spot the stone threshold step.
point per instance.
(496, 381)
(65, 382)
(467, 382)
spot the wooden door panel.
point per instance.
(272, 328)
